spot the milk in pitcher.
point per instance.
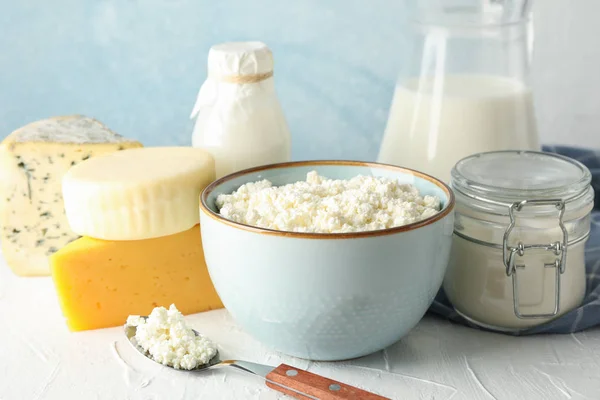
(434, 122)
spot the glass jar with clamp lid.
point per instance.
(522, 219)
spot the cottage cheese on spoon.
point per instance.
(165, 336)
(322, 205)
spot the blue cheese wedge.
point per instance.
(33, 160)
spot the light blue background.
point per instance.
(137, 65)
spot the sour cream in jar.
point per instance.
(522, 220)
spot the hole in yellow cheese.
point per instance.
(100, 283)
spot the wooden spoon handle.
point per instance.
(298, 383)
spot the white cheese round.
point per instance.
(137, 194)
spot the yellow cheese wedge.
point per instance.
(99, 283)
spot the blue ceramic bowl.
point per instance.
(326, 296)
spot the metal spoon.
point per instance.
(284, 378)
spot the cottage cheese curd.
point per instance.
(165, 336)
(322, 205)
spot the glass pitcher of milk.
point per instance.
(464, 88)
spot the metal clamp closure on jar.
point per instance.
(559, 248)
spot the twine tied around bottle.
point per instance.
(242, 79)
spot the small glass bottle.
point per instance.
(239, 118)
(464, 85)
(521, 222)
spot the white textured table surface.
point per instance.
(41, 359)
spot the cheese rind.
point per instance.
(100, 283)
(72, 129)
(137, 194)
(33, 161)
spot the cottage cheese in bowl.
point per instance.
(327, 260)
(322, 205)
